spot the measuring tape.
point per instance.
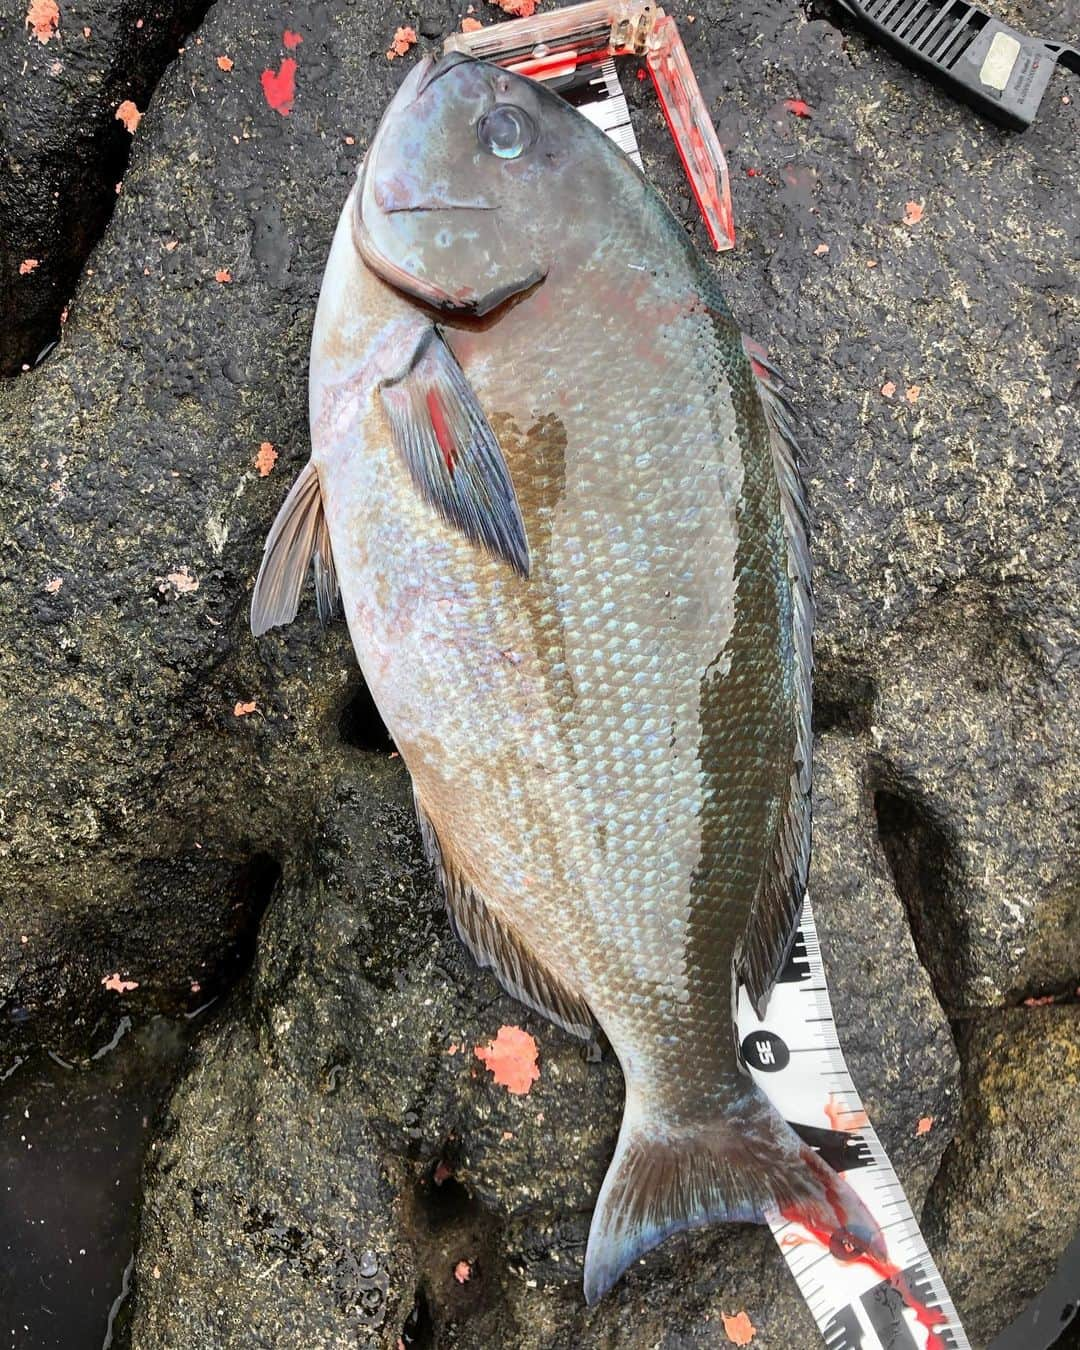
(600, 98)
(794, 1056)
(859, 1300)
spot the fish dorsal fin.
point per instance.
(494, 943)
(297, 538)
(451, 452)
(773, 918)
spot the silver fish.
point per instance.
(564, 515)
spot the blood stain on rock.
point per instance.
(43, 19)
(266, 458)
(913, 213)
(117, 984)
(738, 1328)
(403, 39)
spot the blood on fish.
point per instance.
(757, 354)
(849, 1247)
(442, 431)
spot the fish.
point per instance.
(556, 494)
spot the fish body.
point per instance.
(563, 514)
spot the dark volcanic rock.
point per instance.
(1008, 1181)
(144, 823)
(896, 1040)
(62, 149)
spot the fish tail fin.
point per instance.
(739, 1166)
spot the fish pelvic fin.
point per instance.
(298, 538)
(494, 943)
(739, 1167)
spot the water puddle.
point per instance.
(72, 1138)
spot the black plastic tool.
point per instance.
(1001, 72)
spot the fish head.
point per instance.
(459, 200)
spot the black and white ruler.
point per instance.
(598, 95)
(794, 1057)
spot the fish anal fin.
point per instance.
(452, 455)
(774, 915)
(297, 538)
(495, 944)
(740, 1166)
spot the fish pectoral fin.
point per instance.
(494, 943)
(450, 450)
(774, 915)
(297, 538)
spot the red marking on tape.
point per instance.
(842, 1117)
(856, 1253)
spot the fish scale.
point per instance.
(569, 549)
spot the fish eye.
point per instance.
(506, 131)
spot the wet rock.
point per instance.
(63, 149)
(267, 1253)
(435, 22)
(72, 1138)
(1008, 1183)
(974, 767)
(896, 1040)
